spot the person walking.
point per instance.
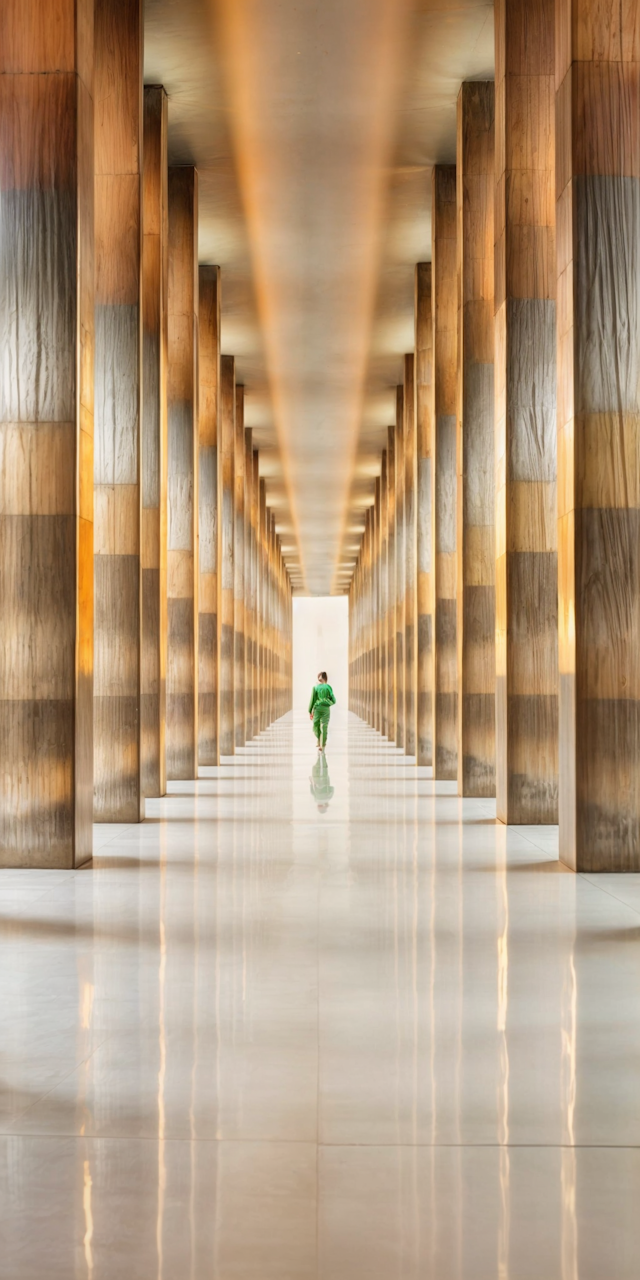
(322, 700)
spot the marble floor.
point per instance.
(333, 1024)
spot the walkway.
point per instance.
(262, 1042)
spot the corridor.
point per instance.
(263, 1040)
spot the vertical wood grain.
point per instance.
(226, 549)
(248, 583)
(153, 452)
(384, 592)
(424, 435)
(525, 415)
(118, 795)
(209, 311)
(476, 596)
(400, 567)
(444, 491)
(255, 590)
(410, 557)
(597, 64)
(391, 580)
(182, 481)
(46, 433)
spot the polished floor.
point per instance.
(319, 1022)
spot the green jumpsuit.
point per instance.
(322, 700)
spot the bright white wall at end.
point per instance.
(320, 643)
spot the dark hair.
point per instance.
(322, 675)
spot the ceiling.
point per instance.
(314, 125)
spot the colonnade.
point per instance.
(146, 610)
(512, 479)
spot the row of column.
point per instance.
(146, 609)
(511, 657)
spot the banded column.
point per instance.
(182, 491)
(525, 415)
(226, 548)
(46, 433)
(238, 575)
(400, 568)
(444, 310)
(598, 191)
(391, 580)
(384, 592)
(476, 596)
(153, 453)
(208, 417)
(424, 436)
(117, 787)
(410, 556)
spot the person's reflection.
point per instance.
(320, 783)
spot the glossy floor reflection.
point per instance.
(319, 1021)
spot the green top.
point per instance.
(321, 696)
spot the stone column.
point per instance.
(238, 574)
(525, 415)
(444, 311)
(255, 590)
(117, 788)
(377, 594)
(226, 736)
(424, 436)
(264, 682)
(46, 433)
(384, 591)
(391, 579)
(400, 567)
(476, 596)
(153, 454)
(410, 556)
(597, 63)
(208, 418)
(248, 570)
(182, 492)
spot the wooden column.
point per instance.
(444, 311)
(248, 590)
(377, 683)
(391, 580)
(238, 575)
(410, 556)
(255, 591)
(153, 454)
(400, 567)
(182, 490)
(264, 683)
(208, 418)
(226, 549)
(424, 436)
(476, 596)
(46, 433)
(598, 191)
(525, 415)
(117, 788)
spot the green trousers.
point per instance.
(321, 722)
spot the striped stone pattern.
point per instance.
(262, 572)
(227, 442)
(377, 680)
(597, 60)
(117, 787)
(182, 489)
(476, 595)
(424, 485)
(208, 416)
(444, 492)
(391, 580)
(46, 433)
(255, 592)
(525, 415)
(238, 574)
(410, 556)
(153, 451)
(400, 574)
